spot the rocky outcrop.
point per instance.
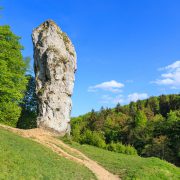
(54, 65)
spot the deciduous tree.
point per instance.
(12, 76)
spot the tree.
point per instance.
(140, 105)
(164, 105)
(29, 106)
(132, 109)
(153, 103)
(172, 116)
(159, 148)
(12, 76)
(174, 101)
(140, 119)
(118, 108)
(92, 120)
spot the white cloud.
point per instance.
(175, 65)
(137, 96)
(107, 99)
(112, 86)
(171, 77)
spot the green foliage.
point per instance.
(21, 158)
(141, 124)
(93, 138)
(140, 119)
(153, 104)
(158, 118)
(9, 113)
(67, 42)
(120, 148)
(173, 116)
(12, 76)
(164, 105)
(158, 148)
(65, 37)
(76, 133)
(66, 138)
(28, 116)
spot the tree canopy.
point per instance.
(12, 76)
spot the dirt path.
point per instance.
(46, 138)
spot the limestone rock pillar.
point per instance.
(54, 66)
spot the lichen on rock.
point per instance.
(55, 66)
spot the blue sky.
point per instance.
(127, 50)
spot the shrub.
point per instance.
(9, 113)
(112, 147)
(67, 139)
(130, 150)
(76, 133)
(120, 148)
(93, 138)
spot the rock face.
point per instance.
(54, 66)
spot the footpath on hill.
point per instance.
(47, 139)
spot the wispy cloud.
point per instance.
(174, 65)
(171, 76)
(137, 96)
(112, 86)
(110, 99)
(107, 99)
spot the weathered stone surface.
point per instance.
(54, 65)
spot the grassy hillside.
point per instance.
(21, 158)
(130, 166)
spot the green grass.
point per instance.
(24, 159)
(130, 166)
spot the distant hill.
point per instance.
(151, 126)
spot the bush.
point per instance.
(130, 150)
(112, 147)
(76, 133)
(120, 148)
(67, 139)
(9, 113)
(93, 138)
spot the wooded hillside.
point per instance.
(151, 126)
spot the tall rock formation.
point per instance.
(55, 66)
